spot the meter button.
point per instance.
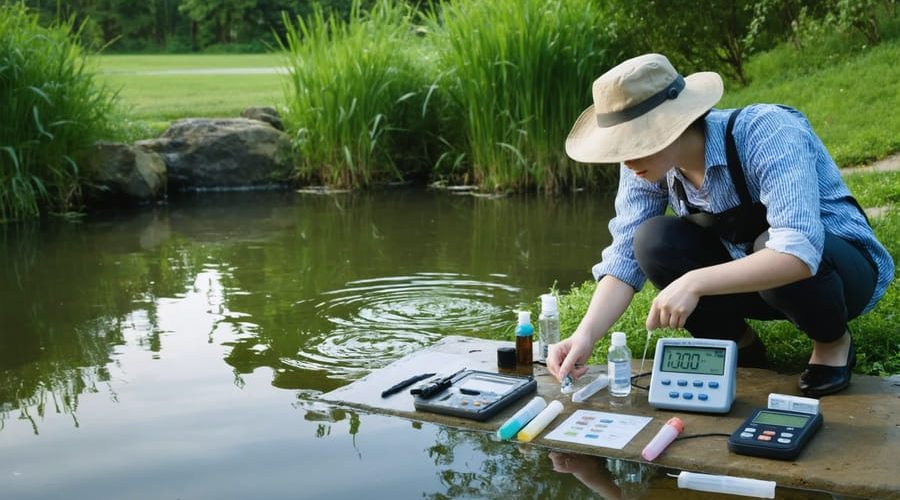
(768, 433)
(764, 438)
(673, 394)
(749, 429)
(787, 435)
(682, 382)
(666, 382)
(687, 395)
(784, 441)
(702, 397)
(713, 384)
(698, 383)
(746, 435)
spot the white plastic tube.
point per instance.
(521, 417)
(540, 421)
(727, 484)
(589, 390)
(669, 431)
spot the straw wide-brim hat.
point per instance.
(640, 107)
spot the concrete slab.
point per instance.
(854, 453)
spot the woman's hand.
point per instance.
(569, 356)
(674, 304)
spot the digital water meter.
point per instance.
(694, 375)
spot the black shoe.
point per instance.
(820, 380)
(753, 355)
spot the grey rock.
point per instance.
(264, 114)
(209, 153)
(126, 171)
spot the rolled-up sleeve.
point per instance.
(636, 201)
(782, 153)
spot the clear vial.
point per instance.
(619, 366)
(548, 325)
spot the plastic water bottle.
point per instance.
(548, 325)
(619, 366)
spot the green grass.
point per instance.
(850, 102)
(519, 72)
(121, 63)
(358, 96)
(158, 99)
(53, 109)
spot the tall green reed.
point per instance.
(357, 95)
(51, 111)
(520, 72)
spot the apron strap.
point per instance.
(734, 162)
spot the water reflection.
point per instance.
(160, 337)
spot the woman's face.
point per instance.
(654, 167)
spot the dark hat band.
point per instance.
(616, 117)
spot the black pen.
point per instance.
(406, 383)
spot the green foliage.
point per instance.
(358, 96)
(697, 35)
(520, 73)
(53, 110)
(849, 97)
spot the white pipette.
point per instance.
(646, 344)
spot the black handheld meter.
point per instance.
(472, 394)
(777, 434)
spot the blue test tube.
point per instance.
(522, 417)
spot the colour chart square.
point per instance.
(597, 428)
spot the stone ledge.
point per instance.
(854, 453)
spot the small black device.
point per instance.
(472, 394)
(779, 434)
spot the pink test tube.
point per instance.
(670, 430)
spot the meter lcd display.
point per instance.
(694, 360)
(487, 384)
(780, 419)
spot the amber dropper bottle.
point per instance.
(524, 340)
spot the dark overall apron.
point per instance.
(743, 223)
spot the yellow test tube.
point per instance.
(540, 421)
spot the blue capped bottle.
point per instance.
(524, 340)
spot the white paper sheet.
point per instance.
(597, 428)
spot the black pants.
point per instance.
(668, 247)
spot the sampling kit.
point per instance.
(688, 375)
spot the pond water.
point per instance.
(178, 351)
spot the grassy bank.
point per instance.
(157, 89)
(851, 102)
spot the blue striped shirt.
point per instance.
(787, 168)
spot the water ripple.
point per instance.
(376, 321)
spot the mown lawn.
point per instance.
(157, 89)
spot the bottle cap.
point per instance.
(618, 339)
(524, 317)
(506, 357)
(548, 303)
(676, 423)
